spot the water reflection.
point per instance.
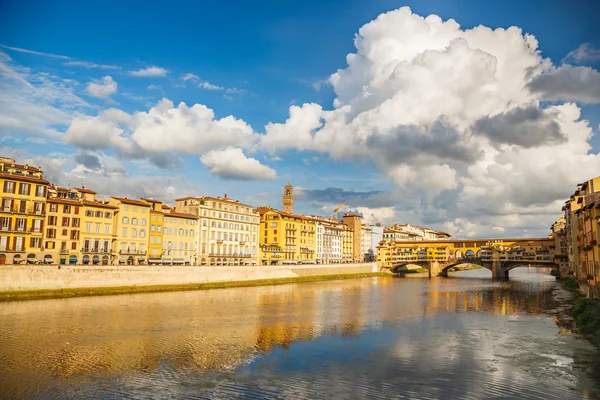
(423, 338)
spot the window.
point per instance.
(24, 188)
(134, 221)
(53, 207)
(9, 187)
(35, 242)
(144, 221)
(158, 239)
(125, 207)
(151, 239)
(107, 229)
(5, 223)
(75, 222)
(19, 243)
(51, 233)
(134, 232)
(123, 248)
(273, 225)
(52, 219)
(74, 235)
(125, 220)
(88, 227)
(107, 215)
(142, 233)
(66, 209)
(159, 228)
(98, 227)
(98, 214)
(124, 232)
(89, 213)
(39, 191)
(20, 225)
(134, 208)
(65, 221)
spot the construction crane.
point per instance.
(335, 211)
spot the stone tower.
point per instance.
(288, 198)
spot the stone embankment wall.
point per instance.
(47, 277)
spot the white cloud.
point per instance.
(231, 163)
(37, 53)
(189, 77)
(209, 86)
(87, 64)
(457, 117)
(583, 54)
(103, 88)
(187, 130)
(33, 103)
(382, 215)
(150, 71)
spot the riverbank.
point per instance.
(107, 291)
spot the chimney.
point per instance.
(225, 195)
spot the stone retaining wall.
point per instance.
(47, 277)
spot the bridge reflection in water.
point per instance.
(116, 345)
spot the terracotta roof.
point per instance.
(98, 204)
(187, 198)
(61, 189)
(131, 201)
(182, 215)
(23, 178)
(64, 201)
(285, 214)
(21, 166)
(351, 215)
(151, 200)
(84, 190)
(164, 206)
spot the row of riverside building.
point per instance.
(577, 237)
(43, 223)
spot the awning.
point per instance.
(178, 261)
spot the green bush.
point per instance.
(571, 284)
(586, 313)
(555, 272)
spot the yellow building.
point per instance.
(179, 240)
(98, 237)
(79, 229)
(354, 223)
(155, 238)
(286, 238)
(131, 226)
(348, 246)
(22, 212)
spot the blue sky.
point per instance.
(256, 60)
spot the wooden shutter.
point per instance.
(5, 186)
(76, 209)
(8, 243)
(29, 189)
(31, 242)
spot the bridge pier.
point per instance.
(498, 272)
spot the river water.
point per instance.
(463, 337)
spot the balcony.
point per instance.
(95, 251)
(64, 251)
(242, 243)
(219, 241)
(132, 252)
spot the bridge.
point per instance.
(438, 256)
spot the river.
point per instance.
(463, 337)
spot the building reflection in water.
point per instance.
(64, 342)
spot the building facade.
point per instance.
(228, 230)
(131, 227)
(22, 213)
(329, 240)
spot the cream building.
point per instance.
(227, 230)
(131, 228)
(329, 238)
(365, 242)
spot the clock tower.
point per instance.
(288, 197)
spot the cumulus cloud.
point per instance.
(527, 127)
(568, 83)
(232, 164)
(187, 130)
(103, 88)
(148, 72)
(101, 132)
(89, 161)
